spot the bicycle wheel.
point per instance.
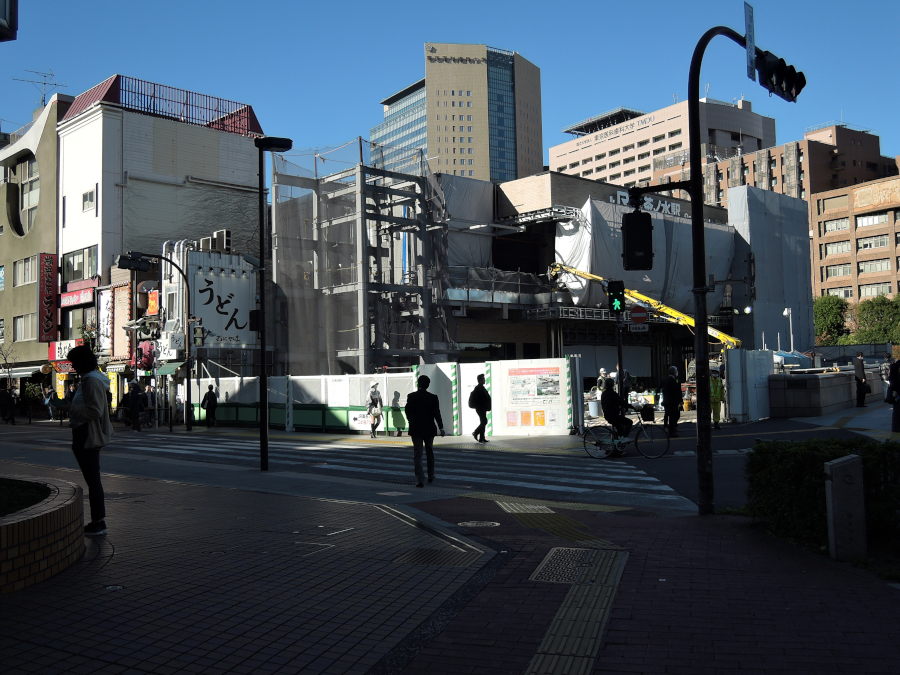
(651, 440)
(599, 442)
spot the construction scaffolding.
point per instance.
(358, 255)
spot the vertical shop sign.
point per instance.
(47, 290)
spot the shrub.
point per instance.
(786, 486)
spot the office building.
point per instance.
(627, 147)
(476, 113)
(855, 235)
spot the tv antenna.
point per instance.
(44, 82)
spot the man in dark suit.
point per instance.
(422, 409)
(859, 370)
(671, 401)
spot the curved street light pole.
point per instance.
(706, 503)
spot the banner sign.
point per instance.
(63, 366)
(153, 302)
(48, 288)
(83, 297)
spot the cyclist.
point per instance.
(613, 407)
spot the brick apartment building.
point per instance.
(855, 240)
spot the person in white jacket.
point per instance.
(91, 429)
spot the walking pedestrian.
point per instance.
(671, 401)
(209, 403)
(49, 396)
(70, 394)
(480, 401)
(885, 369)
(374, 406)
(135, 406)
(91, 430)
(716, 396)
(892, 395)
(422, 410)
(859, 370)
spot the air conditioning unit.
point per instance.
(206, 244)
(222, 240)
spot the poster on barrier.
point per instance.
(530, 397)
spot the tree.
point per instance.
(8, 359)
(877, 320)
(829, 317)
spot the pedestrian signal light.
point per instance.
(198, 336)
(615, 292)
(637, 241)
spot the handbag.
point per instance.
(867, 388)
(203, 403)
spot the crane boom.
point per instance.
(668, 313)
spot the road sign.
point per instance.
(638, 328)
(750, 35)
(638, 314)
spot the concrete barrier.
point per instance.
(44, 539)
(816, 394)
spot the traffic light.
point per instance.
(615, 293)
(254, 320)
(637, 241)
(197, 332)
(133, 261)
(778, 77)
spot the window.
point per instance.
(560, 168)
(614, 176)
(871, 166)
(80, 264)
(587, 161)
(600, 156)
(800, 159)
(630, 184)
(802, 175)
(471, 173)
(883, 265)
(630, 172)
(31, 192)
(773, 164)
(674, 146)
(471, 151)
(614, 152)
(468, 104)
(641, 144)
(644, 155)
(774, 181)
(613, 165)
(842, 292)
(837, 271)
(87, 201)
(657, 139)
(573, 165)
(838, 224)
(601, 168)
(469, 129)
(873, 290)
(470, 138)
(25, 327)
(587, 173)
(468, 93)
(644, 168)
(628, 147)
(837, 247)
(628, 160)
(880, 241)
(871, 219)
(673, 134)
(25, 271)
(600, 178)
(469, 119)
(471, 161)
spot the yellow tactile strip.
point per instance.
(573, 638)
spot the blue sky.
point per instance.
(315, 71)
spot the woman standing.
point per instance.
(892, 395)
(91, 430)
(374, 406)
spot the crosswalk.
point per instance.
(482, 470)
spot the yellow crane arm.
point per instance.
(668, 313)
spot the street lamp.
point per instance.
(787, 312)
(266, 144)
(140, 262)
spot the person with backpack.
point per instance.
(209, 403)
(480, 401)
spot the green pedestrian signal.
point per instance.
(615, 291)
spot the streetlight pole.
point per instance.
(786, 83)
(790, 315)
(270, 144)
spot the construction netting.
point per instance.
(344, 255)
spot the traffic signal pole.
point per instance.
(188, 338)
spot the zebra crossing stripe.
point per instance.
(487, 384)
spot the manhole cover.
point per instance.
(114, 588)
(478, 523)
(562, 565)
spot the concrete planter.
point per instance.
(42, 540)
(813, 395)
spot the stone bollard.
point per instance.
(844, 499)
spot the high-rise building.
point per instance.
(476, 113)
(625, 146)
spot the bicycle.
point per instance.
(651, 440)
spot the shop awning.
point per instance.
(169, 368)
(115, 367)
(22, 371)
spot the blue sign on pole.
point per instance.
(750, 35)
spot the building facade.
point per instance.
(628, 147)
(28, 186)
(855, 240)
(476, 113)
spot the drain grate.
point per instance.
(562, 565)
(478, 523)
(447, 557)
(513, 507)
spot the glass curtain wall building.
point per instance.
(404, 127)
(501, 114)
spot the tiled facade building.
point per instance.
(476, 113)
(855, 240)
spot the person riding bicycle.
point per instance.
(613, 409)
